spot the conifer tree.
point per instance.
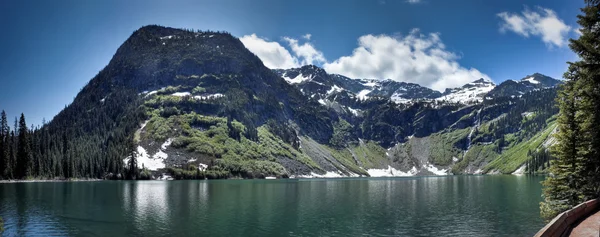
(561, 189)
(132, 163)
(23, 151)
(576, 167)
(588, 83)
(4, 155)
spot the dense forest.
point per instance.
(574, 171)
(35, 153)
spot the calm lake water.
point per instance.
(421, 206)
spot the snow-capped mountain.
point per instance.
(471, 92)
(527, 84)
(399, 92)
(316, 83)
(329, 89)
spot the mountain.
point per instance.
(529, 83)
(198, 104)
(314, 81)
(469, 93)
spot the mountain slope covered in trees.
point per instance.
(197, 104)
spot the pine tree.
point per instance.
(23, 151)
(132, 163)
(560, 191)
(575, 170)
(588, 83)
(4, 156)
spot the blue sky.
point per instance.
(50, 49)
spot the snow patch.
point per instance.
(298, 79)
(370, 84)
(473, 93)
(334, 88)
(520, 170)
(150, 162)
(397, 98)
(531, 80)
(494, 172)
(152, 92)
(167, 37)
(321, 101)
(431, 168)
(391, 172)
(166, 144)
(363, 94)
(165, 176)
(353, 111)
(328, 174)
(181, 94)
(206, 97)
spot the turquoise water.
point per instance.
(500, 205)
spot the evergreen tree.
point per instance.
(561, 189)
(23, 151)
(132, 163)
(588, 83)
(4, 155)
(575, 170)
(12, 161)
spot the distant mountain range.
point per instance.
(316, 83)
(199, 104)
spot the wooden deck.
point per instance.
(583, 220)
(590, 227)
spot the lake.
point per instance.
(495, 205)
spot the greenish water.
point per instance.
(420, 206)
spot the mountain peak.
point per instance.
(537, 74)
(482, 80)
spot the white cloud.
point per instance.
(542, 22)
(578, 31)
(272, 54)
(415, 58)
(306, 52)
(413, 1)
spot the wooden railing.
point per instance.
(562, 224)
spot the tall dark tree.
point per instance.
(588, 83)
(23, 150)
(575, 170)
(132, 165)
(4, 154)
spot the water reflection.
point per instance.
(431, 206)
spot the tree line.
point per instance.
(34, 153)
